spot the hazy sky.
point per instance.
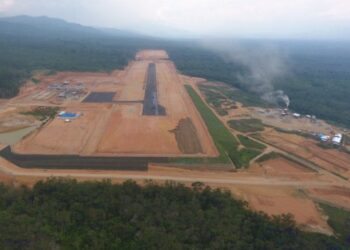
(228, 18)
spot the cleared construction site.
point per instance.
(146, 113)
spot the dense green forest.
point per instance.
(317, 81)
(30, 44)
(64, 214)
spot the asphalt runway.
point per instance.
(150, 103)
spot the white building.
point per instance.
(336, 140)
(296, 115)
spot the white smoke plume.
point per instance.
(263, 63)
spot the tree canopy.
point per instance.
(65, 214)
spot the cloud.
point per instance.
(340, 10)
(271, 18)
(5, 5)
(264, 63)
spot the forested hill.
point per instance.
(320, 79)
(32, 43)
(64, 214)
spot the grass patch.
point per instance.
(215, 99)
(247, 154)
(43, 113)
(339, 220)
(246, 125)
(249, 143)
(225, 142)
(221, 111)
(269, 156)
(247, 99)
(223, 139)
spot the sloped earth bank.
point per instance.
(273, 196)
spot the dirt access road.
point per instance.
(273, 195)
(167, 173)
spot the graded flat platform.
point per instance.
(113, 123)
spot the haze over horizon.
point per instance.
(299, 19)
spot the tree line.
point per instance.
(65, 214)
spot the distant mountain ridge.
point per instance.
(43, 21)
(36, 26)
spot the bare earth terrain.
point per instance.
(117, 127)
(330, 159)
